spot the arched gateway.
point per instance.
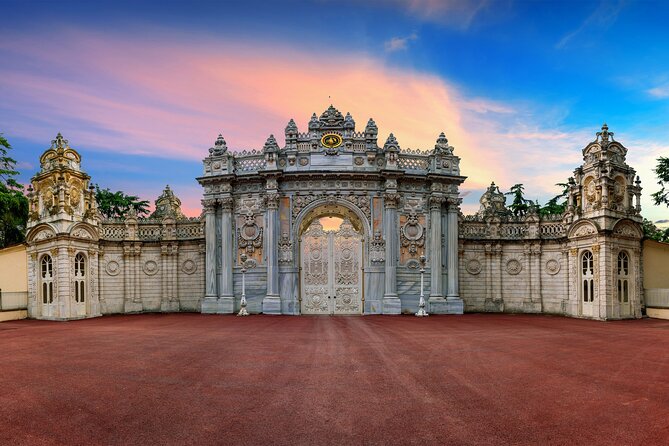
(396, 206)
(275, 208)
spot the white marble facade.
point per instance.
(265, 206)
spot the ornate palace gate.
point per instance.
(331, 270)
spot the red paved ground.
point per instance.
(196, 379)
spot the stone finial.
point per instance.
(220, 146)
(442, 147)
(331, 118)
(493, 202)
(349, 123)
(371, 130)
(314, 123)
(391, 144)
(604, 135)
(271, 145)
(291, 128)
(167, 204)
(59, 143)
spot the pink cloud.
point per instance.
(170, 98)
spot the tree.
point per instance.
(662, 172)
(13, 204)
(520, 204)
(653, 232)
(117, 204)
(554, 205)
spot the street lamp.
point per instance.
(242, 310)
(421, 302)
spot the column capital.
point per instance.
(226, 203)
(436, 201)
(209, 205)
(272, 200)
(391, 199)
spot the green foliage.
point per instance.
(662, 172)
(117, 204)
(520, 204)
(13, 204)
(557, 204)
(653, 232)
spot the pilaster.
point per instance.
(391, 301)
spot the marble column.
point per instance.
(226, 298)
(452, 249)
(209, 303)
(391, 301)
(271, 304)
(436, 284)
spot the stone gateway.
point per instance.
(334, 223)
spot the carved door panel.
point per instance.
(331, 270)
(347, 245)
(316, 282)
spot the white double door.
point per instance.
(331, 270)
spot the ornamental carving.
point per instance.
(514, 267)
(113, 265)
(360, 201)
(189, 266)
(285, 249)
(412, 234)
(473, 266)
(585, 230)
(377, 248)
(151, 267)
(81, 233)
(44, 235)
(249, 236)
(552, 267)
(625, 230)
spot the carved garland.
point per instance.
(412, 234)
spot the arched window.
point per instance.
(587, 274)
(623, 277)
(80, 278)
(46, 274)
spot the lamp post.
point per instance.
(242, 310)
(421, 302)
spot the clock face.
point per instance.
(331, 140)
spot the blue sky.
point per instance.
(141, 89)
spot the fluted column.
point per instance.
(226, 285)
(436, 286)
(453, 291)
(391, 301)
(271, 304)
(210, 255)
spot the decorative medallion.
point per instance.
(189, 267)
(150, 267)
(412, 234)
(552, 267)
(473, 267)
(513, 267)
(250, 234)
(359, 161)
(304, 161)
(113, 268)
(331, 140)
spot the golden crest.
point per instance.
(331, 140)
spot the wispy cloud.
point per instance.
(169, 99)
(399, 43)
(659, 92)
(603, 17)
(454, 13)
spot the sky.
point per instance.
(142, 88)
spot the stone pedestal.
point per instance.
(271, 305)
(392, 305)
(169, 306)
(446, 306)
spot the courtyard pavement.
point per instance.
(199, 379)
